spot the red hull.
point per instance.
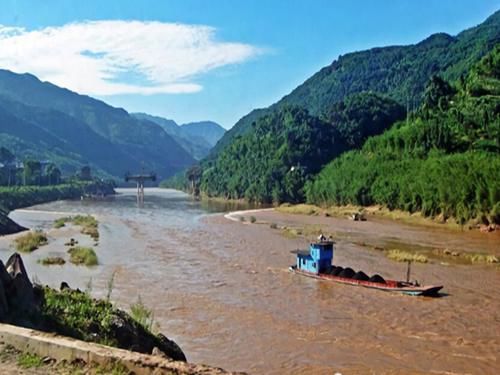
(388, 286)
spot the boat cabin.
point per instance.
(318, 259)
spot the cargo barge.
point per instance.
(317, 263)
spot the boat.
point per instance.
(317, 263)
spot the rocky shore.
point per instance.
(75, 314)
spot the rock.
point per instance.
(20, 292)
(171, 349)
(5, 278)
(4, 307)
(64, 286)
(132, 336)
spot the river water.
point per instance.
(221, 289)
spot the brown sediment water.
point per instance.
(221, 288)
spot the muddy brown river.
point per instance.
(222, 291)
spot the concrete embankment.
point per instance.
(70, 350)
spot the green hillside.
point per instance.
(401, 72)
(272, 162)
(94, 131)
(445, 161)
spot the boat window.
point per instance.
(314, 264)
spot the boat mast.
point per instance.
(408, 271)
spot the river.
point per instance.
(221, 289)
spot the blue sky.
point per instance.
(208, 60)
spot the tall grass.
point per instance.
(30, 241)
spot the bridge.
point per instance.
(140, 179)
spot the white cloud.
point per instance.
(120, 57)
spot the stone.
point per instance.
(20, 293)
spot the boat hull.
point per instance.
(389, 286)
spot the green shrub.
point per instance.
(52, 260)
(253, 219)
(83, 255)
(30, 241)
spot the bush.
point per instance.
(30, 241)
(253, 219)
(83, 255)
(405, 256)
(52, 260)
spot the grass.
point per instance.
(113, 368)
(88, 223)
(28, 360)
(306, 231)
(59, 223)
(30, 241)
(83, 255)
(52, 261)
(141, 314)
(481, 258)
(405, 256)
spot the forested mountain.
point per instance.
(83, 130)
(445, 161)
(272, 162)
(197, 138)
(401, 72)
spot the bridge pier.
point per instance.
(140, 179)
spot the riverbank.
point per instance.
(26, 196)
(383, 212)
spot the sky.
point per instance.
(193, 60)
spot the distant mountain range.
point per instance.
(44, 121)
(197, 138)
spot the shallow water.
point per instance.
(221, 289)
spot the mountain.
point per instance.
(83, 130)
(400, 72)
(271, 154)
(197, 138)
(272, 162)
(210, 131)
(444, 161)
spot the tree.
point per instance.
(32, 172)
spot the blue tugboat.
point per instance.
(317, 263)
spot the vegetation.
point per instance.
(400, 72)
(52, 261)
(284, 149)
(404, 256)
(88, 223)
(30, 241)
(51, 123)
(77, 315)
(443, 162)
(28, 360)
(83, 255)
(253, 219)
(142, 315)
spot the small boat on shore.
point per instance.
(317, 263)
